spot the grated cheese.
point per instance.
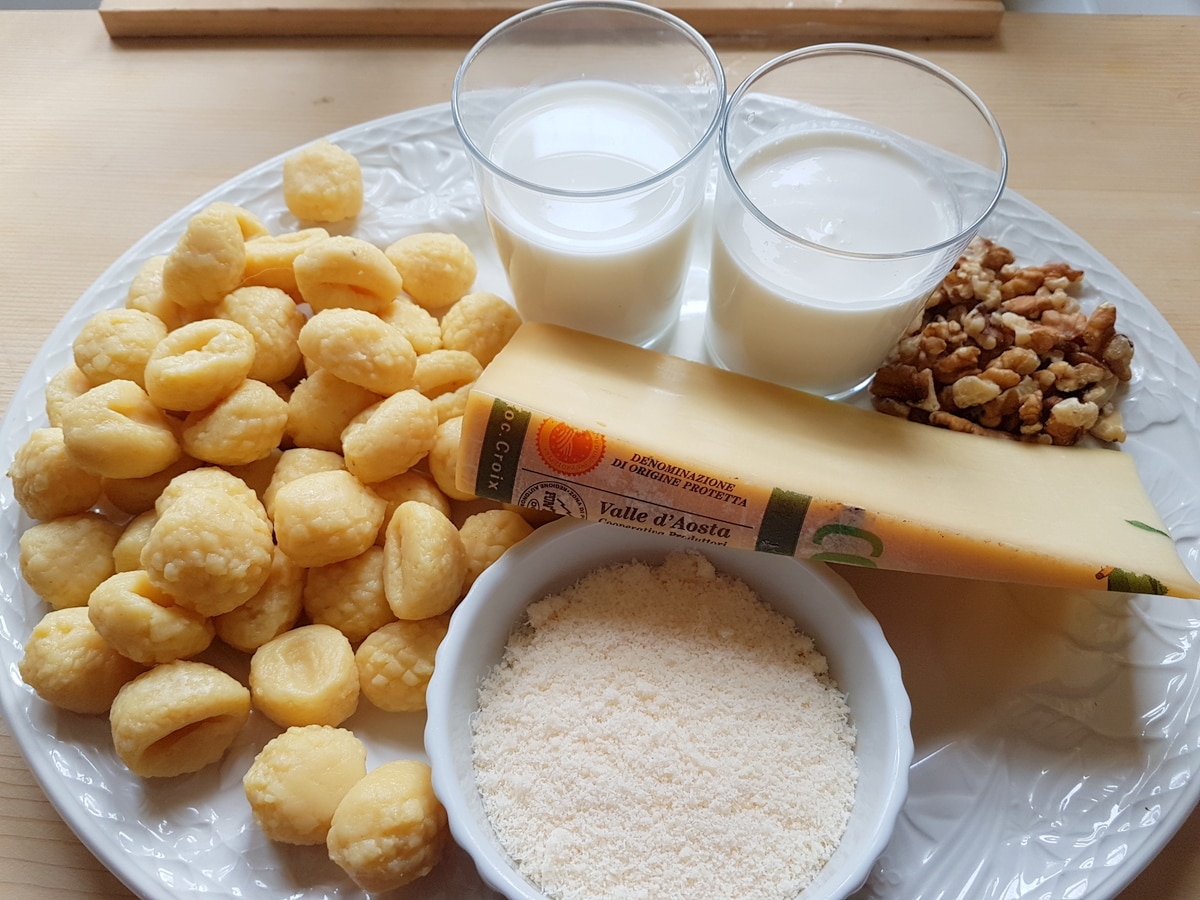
(659, 731)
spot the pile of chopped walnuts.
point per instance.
(1006, 350)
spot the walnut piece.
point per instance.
(1008, 351)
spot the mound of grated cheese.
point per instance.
(659, 731)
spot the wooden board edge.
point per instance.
(947, 19)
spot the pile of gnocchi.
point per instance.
(259, 449)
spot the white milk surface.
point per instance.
(609, 265)
(792, 314)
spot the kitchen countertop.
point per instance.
(103, 140)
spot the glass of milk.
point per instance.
(850, 179)
(591, 127)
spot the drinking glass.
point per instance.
(850, 179)
(590, 127)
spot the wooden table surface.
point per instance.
(100, 141)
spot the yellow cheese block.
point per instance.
(588, 427)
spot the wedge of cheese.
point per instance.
(584, 426)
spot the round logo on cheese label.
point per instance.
(567, 450)
(556, 497)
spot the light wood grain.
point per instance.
(102, 140)
(830, 19)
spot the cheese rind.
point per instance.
(605, 431)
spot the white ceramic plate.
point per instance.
(1055, 737)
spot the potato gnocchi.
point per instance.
(239, 429)
(47, 482)
(274, 609)
(65, 559)
(199, 363)
(177, 717)
(390, 829)
(326, 517)
(71, 666)
(116, 431)
(321, 407)
(116, 344)
(256, 449)
(209, 550)
(361, 348)
(424, 563)
(344, 271)
(322, 183)
(395, 662)
(273, 321)
(389, 437)
(207, 262)
(144, 623)
(305, 676)
(349, 595)
(298, 779)
(437, 268)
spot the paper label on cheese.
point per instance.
(536, 461)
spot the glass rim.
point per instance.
(628, 6)
(853, 49)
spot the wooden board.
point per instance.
(812, 19)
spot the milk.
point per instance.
(613, 265)
(785, 312)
